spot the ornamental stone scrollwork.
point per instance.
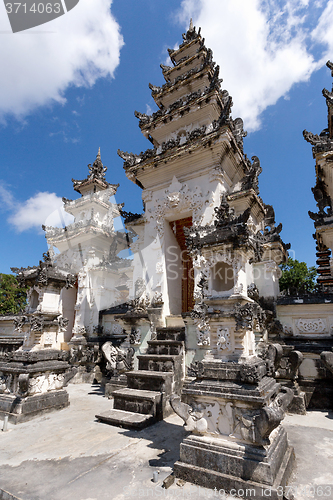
(135, 336)
(62, 323)
(157, 299)
(321, 196)
(200, 309)
(255, 426)
(118, 360)
(227, 229)
(70, 281)
(178, 198)
(252, 373)
(317, 325)
(203, 335)
(223, 339)
(195, 369)
(249, 316)
(288, 330)
(253, 292)
(36, 323)
(250, 180)
(19, 322)
(321, 143)
(80, 331)
(96, 172)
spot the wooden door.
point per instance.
(177, 227)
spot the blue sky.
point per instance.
(72, 85)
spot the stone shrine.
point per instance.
(208, 245)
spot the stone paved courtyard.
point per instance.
(68, 455)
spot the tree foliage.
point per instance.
(12, 298)
(297, 277)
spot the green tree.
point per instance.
(12, 298)
(297, 276)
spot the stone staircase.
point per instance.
(145, 400)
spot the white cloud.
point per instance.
(263, 47)
(7, 201)
(43, 208)
(75, 49)
(323, 33)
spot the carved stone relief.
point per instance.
(223, 418)
(178, 198)
(317, 325)
(223, 339)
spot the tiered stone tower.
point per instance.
(209, 248)
(197, 157)
(322, 149)
(89, 247)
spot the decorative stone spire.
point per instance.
(97, 170)
(95, 179)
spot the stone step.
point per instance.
(174, 321)
(150, 380)
(170, 333)
(138, 401)
(136, 393)
(126, 419)
(159, 362)
(168, 347)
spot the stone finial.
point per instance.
(191, 25)
(99, 153)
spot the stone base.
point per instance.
(226, 465)
(21, 409)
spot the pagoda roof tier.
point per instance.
(91, 203)
(198, 78)
(169, 95)
(44, 274)
(209, 140)
(82, 230)
(322, 143)
(242, 200)
(196, 109)
(200, 60)
(231, 229)
(95, 180)
(189, 46)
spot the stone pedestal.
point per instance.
(234, 410)
(228, 466)
(31, 383)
